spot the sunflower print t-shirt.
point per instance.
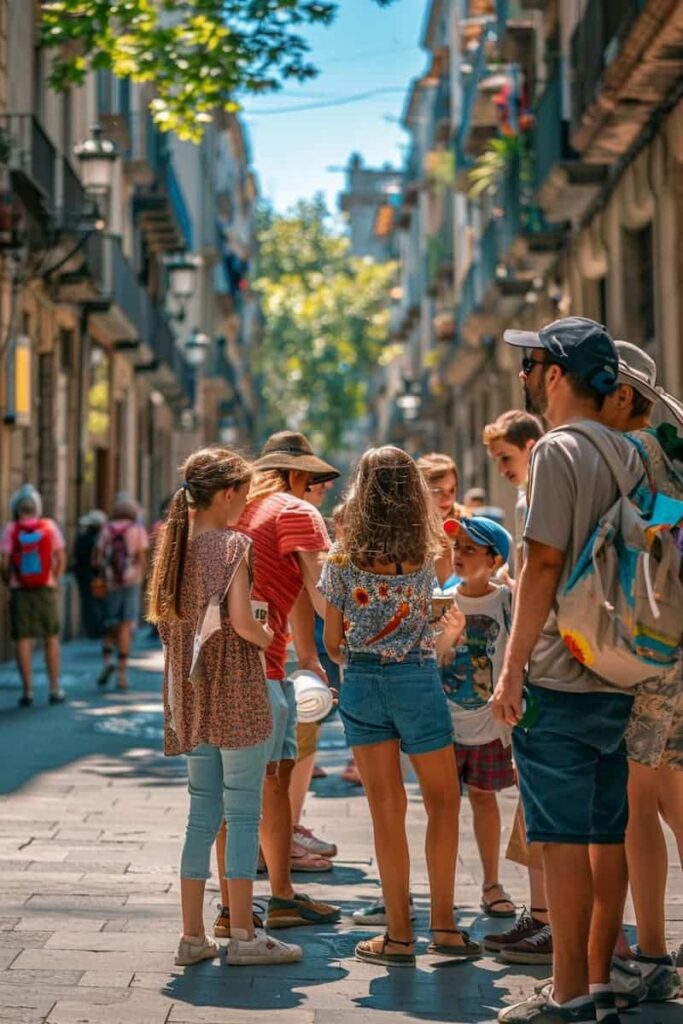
(387, 615)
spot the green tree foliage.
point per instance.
(199, 54)
(326, 324)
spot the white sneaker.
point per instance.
(312, 844)
(262, 949)
(193, 951)
(376, 913)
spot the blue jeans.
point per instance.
(224, 784)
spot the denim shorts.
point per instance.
(122, 605)
(282, 743)
(400, 700)
(572, 767)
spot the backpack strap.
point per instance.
(599, 438)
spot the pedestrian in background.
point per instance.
(121, 558)
(216, 706)
(91, 587)
(33, 556)
(469, 673)
(377, 582)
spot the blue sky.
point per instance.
(367, 48)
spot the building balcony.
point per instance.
(565, 185)
(479, 115)
(516, 33)
(131, 318)
(28, 153)
(625, 57)
(158, 203)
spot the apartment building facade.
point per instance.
(569, 114)
(126, 317)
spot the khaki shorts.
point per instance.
(307, 739)
(654, 737)
(34, 614)
(519, 851)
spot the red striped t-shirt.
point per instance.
(279, 526)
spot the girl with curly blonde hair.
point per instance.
(377, 582)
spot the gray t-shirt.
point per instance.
(570, 487)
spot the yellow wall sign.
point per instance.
(18, 404)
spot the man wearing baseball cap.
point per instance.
(571, 763)
(288, 537)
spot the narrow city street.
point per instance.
(90, 832)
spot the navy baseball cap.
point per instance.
(580, 346)
(488, 532)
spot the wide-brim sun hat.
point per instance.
(289, 450)
(639, 371)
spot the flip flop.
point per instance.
(367, 954)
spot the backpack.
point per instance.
(32, 549)
(621, 611)
(117, 559)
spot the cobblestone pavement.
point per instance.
(90, 831)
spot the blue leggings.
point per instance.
(224, 784)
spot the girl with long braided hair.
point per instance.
(216, 705)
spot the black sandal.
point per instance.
(365, 953)
(469, 950)
(489, 908)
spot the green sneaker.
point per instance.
(299, 910)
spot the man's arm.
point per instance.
(302, 625)
(535, 594)
(311, 567)
(59, 563)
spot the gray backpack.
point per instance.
(621, 610)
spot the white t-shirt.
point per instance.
(469, 681)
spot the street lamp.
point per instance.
(182, 270)
(410, 400)
(196, 348)
(97, 156)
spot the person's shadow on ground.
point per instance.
(262, 987)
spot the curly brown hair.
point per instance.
(206, 472)
(388, 516)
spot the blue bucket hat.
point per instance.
(580, 346)
(491, 534)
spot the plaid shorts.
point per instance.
(488, 766)
(654, 737)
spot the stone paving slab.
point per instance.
(90, 835)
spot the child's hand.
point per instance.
(452, 624)
(270, 636)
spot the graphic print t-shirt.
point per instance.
(470, 679)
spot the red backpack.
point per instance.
(32, 550)
(117, 559)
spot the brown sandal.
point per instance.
(368, 955)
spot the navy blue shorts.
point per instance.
(402, 700)
(572, 768)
